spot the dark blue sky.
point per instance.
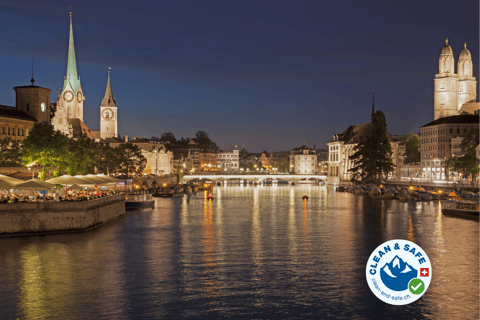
(270, 74)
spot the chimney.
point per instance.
(126, 138)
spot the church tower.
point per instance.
(72, 94)
(446, 85)
(467, 84)
(108, 114)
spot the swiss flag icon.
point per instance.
(424, 272)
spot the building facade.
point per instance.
(453, 90)
(303, 160)
(437, 139)
(158, 161)
(228, 160)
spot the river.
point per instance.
(253, 252)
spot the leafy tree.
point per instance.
(81, 156)
(470, 141)
(467, 165)
(168, 136)
(282, 164)
(131, 159)
(412, 149)
(10, 153)
(45, 146)
(373, 158)
(108, 159)
(202, 138)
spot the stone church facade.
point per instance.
(454, 90)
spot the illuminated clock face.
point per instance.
(43, 107)
(68, 95)
(79, 96)
(107, 114)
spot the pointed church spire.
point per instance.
(71, 77)
(373, 101)
(108, 99)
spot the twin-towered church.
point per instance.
(66, 115)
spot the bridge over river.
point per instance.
(256, 178)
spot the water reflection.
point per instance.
(252, 252)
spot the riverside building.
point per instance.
(303, 160)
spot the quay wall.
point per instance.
(31, 218)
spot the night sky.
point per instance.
(269, 74)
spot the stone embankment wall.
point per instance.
(17, 219)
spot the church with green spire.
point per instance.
(68, 117)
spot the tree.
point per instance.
(10, 153)
(470, 141)
(108, 160)
(412, 149)
(46, 146)
(81, 156)
(467, 165)
(282, 164)
(131, 158)
(202, 138)
(168, 137)
(372, 159)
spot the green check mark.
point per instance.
(416, 286)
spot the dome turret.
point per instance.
(465, 54)
(446, 63)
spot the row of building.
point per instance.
(165, 158)
(455, 114)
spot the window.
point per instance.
(458, 130)
(28, 106)
(451, 130)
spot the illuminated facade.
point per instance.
(437, 139)
(228, 161)
(454, 90)
(108, 114)
(303, 160)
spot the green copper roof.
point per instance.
(71, 77)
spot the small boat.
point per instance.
(137, 201)
(305, 197)
(340, 189)
(462, 209)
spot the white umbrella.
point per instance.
(7, 185)
(67, 180)
(35, 184)
(10, 180)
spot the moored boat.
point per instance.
(137, 201)
(462, 209)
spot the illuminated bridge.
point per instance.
(256, 179)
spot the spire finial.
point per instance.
(32, 80)
(446, 41)
(109, 68)
(70, 11)
(465, 45)
(373, 101)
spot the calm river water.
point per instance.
(251, 253)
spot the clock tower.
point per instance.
(108, 114)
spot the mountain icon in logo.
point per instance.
(396, 274)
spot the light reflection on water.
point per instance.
(251, 252)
